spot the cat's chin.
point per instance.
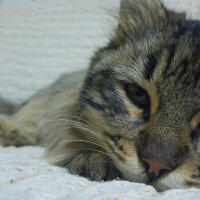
(161, 187)
(167, 182)
(171, 181)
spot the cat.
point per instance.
(133, 114)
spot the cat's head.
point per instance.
(142, 91)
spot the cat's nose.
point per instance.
(154, 168)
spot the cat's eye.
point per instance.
(195, 136)
(196, 132)
(137, 95)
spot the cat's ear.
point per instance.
(141, 15)
(147, 13)
(142, 12)
(137, 16)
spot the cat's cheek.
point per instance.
(127, 161)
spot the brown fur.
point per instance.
(95, 129)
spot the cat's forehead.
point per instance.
(176, 65)
(166, 63)
(166, 67)
(168, 59)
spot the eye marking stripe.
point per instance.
(150, 66)
(114, 138)
(151, 89)
(133, 110)
(170, 58)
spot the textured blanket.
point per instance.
(38, 41)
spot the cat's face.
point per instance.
(143, 92)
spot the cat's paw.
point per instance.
(94, 166)
(8, 136)
(12, 135)
(3, 131)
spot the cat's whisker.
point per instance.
(86, 141)
(90, 149)
(99, 161)
(83, 120)
(95, 134)
(95, 138)
(84, 104)
(71, 122)
(78, 126)
(62, 155)
(76, 117)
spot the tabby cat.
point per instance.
(134, 114)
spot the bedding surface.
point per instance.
(24, 175)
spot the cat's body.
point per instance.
(134, 114)
(49, 104)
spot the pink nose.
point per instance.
(154, 167)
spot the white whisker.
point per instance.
(89, 149)
(99, 161)
(86, 141)
(75, 124)
(88, 122)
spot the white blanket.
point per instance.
(24, 175)
(38, 41)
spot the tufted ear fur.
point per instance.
(138, 16)
(142, 12)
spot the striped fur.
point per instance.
(94, 127)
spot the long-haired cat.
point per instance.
(134, 114)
